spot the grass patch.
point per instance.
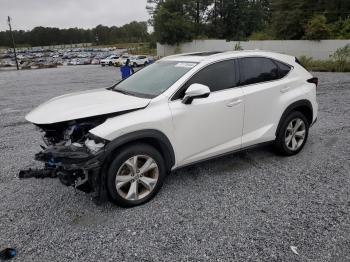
(328, 65)
(339, 61)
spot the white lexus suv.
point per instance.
(121, 142)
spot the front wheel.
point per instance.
(292, 135)
(136, 175)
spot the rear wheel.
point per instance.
(136, 175)
(292, 135)
(110, 63)
(135, 64)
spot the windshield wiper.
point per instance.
(123, 91)
(131, 93)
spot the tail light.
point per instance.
(313, 80)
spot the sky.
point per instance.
(26, 14)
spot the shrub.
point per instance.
(305, 61)
(338, 62)
(237, 47)
(341, 57)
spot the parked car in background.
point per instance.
(139, 60)
(110, 60)
(95, 61)
(73, 61)
(121, 61)
(83, 61)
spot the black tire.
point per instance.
(110, 63)
(280, 142)
(135, 65)
(123, 155)
(145, 64)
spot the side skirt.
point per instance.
(225, 154)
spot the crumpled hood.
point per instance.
(84, 104)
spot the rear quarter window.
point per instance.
(283, 69)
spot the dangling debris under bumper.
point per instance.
(74, 165)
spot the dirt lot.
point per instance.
(251, 206)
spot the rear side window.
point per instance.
(218, 76)
(257, 70)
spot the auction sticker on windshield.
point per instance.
(186, 65)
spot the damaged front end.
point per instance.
(73, 155)
(71, 152)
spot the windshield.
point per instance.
(154, 79)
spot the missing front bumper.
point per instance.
(74, 166)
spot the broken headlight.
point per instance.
(94, 143)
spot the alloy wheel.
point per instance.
(295, 134)
(137, 177)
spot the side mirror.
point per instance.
(195, 91)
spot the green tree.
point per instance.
(198, 14)
(345, 30)
(341, 29)
(260, 36)
(151, 9)
(288, 19)
(317, 28)
(172, 24)
(41, 36)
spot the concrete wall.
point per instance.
(315, 49)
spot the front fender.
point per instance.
(153, 122)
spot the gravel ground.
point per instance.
(248, 206)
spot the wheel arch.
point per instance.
(304, 106)
(153, 137)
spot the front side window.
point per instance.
(154, 79)
(257, 70)
(218, 76)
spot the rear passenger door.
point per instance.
(262, 81)
(212, 125)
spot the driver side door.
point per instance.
(213, 125)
